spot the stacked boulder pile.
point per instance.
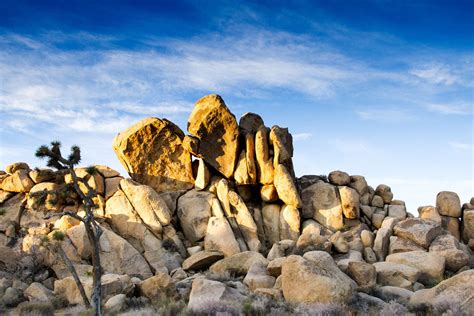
(218, 215)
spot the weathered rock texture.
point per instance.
(237, 225)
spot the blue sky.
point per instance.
(378, 88)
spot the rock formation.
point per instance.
(224, 200)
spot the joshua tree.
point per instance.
(93, 230)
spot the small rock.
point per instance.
(363, 273)
(238, 264)
(116, 303)
(202, 260)
(338, 177)
(257, 277)
(448, 204)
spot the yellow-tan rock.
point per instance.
(19, 181)
(286, 187)
(152, 153)
(264, 161)
(217, 130)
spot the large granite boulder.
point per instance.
(455, 292)
(321, 202)
(448, 204)
(206, 294)
(218, 133)
(149, 205)
(152, 153)
(315, 278)
(420, 231)
(431, 266)
(194, 211)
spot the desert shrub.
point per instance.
(213, 307)
(59, 302)
(449, 308)
(264, 305)
(393, 308)
(321, 309)
(36, 309)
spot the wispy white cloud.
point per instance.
(302, 136)
(460, 146)
(438, 74)
(383, 115)
(446, 108)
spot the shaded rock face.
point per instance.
(152, 153)
(217, 130)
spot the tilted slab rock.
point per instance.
(286, 187)
(202, 260)
(321, 202)
(315, 278)
(216, 128)
(117, 255)
(238, 264)
(245, 221)
(399, 244)
(194, 211)
(264, 162)
(219, 237)
(455, 292)
(127, 223)
(431, 266)
(382, 243)
(448, 247)
(152, 153)
(422, 232)
(396, 274)
(149, 205)
(203, 176)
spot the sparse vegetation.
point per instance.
(56, 160)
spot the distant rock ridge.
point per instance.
(225, 198)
